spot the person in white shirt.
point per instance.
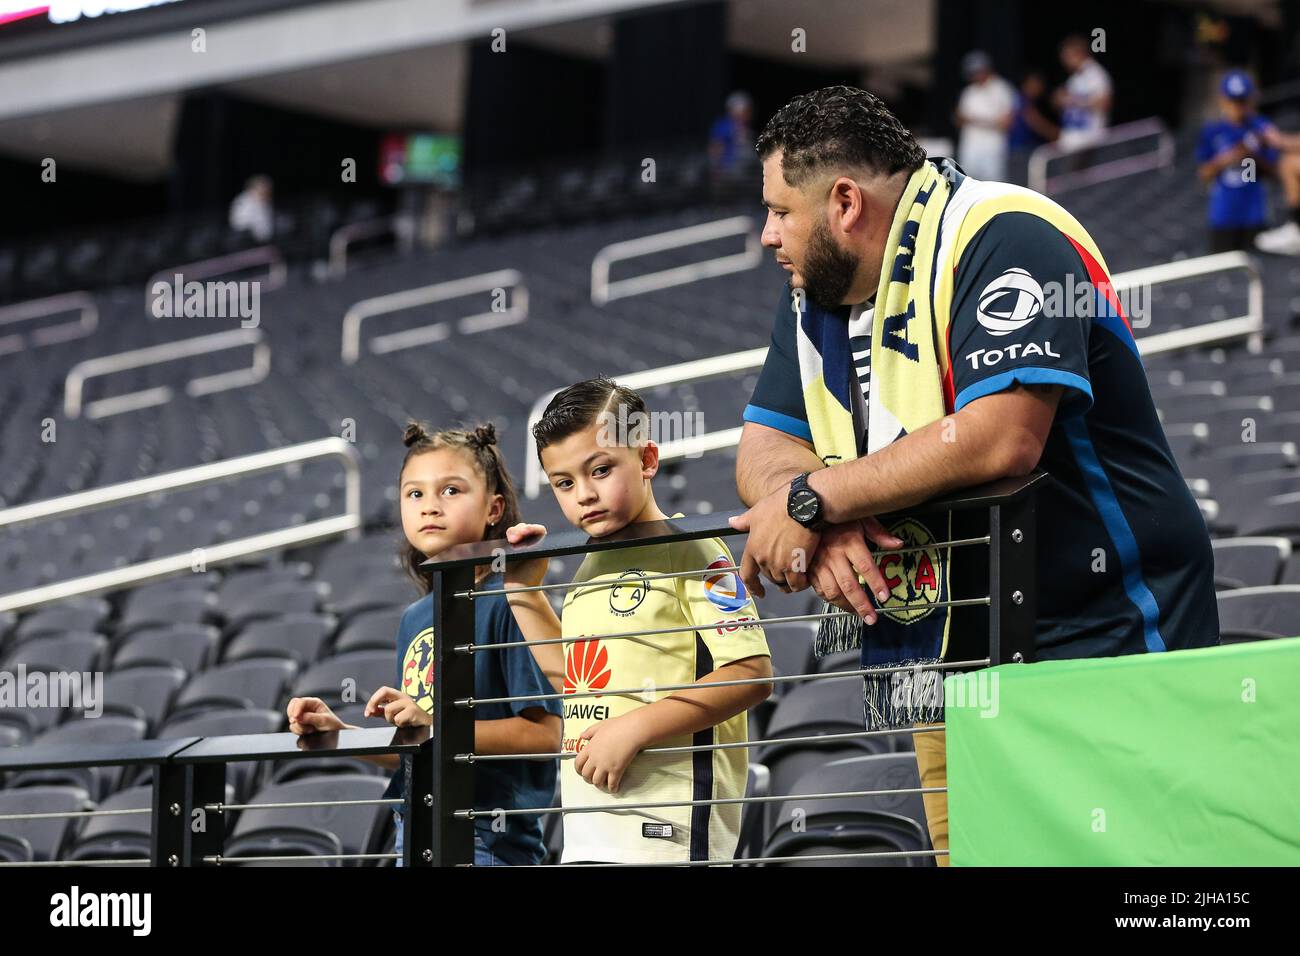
(251, 210)
(984, 114)
(1084, 100)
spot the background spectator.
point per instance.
(1084, 100)
(251, 211)
(984, 114)
(1238, 201)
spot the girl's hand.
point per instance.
(610, 747)
(526, 574)
(310, 715)
(397, 708)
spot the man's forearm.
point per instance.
(954, 452)
(767, 461)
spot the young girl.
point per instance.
(455, 489)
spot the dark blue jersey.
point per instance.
(1124, 559)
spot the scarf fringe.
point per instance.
(835, 635)
(903, 698)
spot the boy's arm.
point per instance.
(532, 611)
(537, 621)
(689, 711)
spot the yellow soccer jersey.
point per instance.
(710, 606)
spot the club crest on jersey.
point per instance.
(625, 598)
(417, 670)
(913, 577)
(586, 667)
(724, 589)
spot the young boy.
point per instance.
(592, 446)
(1238, 201)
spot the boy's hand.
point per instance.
(310, 715)
(611, 745)
(397, 708)
(525, 574)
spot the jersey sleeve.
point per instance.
(718, 603)
(777, 401)
(520, 674)
(1023, 307)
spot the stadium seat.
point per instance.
(851, 818)
(242, 776)
(69, 651)
(191, 647)
(372, 630)
(73, 614)
(299, 598)
(145, 692)
(1259, 613)
(120, 836)
(359, 829)
(45, 838)
(1249, 562)
(297, 637)
(257, 683)
(358, 672)
(98, 782)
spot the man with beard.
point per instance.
(920, 324)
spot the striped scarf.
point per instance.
(906, 393)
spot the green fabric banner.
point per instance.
(1182, 758)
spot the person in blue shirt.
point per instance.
(455, 490)
(731, 139)
(1234, 155)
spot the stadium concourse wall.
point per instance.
(1189, 758)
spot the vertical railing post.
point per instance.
(453, 727)
(1013, 585)
(205, 830)
(168, 824)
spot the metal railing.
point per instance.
(1249, 326)
(80, 302)
(270, 256)
(1162, 155)
(401, 227)
(189, 784)
(347, 523)
(994, 605)
(603, 290)
(74, 385)
(437, 331)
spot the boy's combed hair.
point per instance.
(481, 446)
(837, 129)
(582, 405)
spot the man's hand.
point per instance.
(611, 745)
(842, 556)
(779, 547)
(397, 708)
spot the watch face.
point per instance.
(805, 505)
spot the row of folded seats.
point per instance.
(212, 654)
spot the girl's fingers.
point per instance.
(379, 698)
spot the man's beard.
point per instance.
(828, 270)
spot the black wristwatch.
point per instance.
(804, 505)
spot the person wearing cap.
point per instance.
(1233, 156)
(984, 114)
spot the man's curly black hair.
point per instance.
(838, 127)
